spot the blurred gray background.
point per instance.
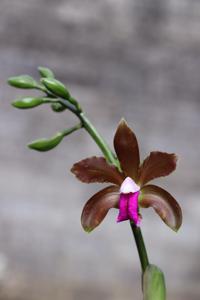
(138, 59)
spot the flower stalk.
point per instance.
(72, 129)
(122, 169)
(144, 261)
(110, 157)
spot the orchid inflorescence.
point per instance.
(129, 191)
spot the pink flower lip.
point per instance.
(128, 208)
(129, 186)
(128, 202)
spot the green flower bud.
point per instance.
(45, 72)
(28, 102)
(58, 107)
(56, 87)
(154, 284)
(46, 144)
(23, 82)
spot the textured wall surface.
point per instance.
(137, 59)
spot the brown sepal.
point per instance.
(126, 147)
(96, 169)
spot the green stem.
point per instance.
(98, 139)
(140, 246)
(76, 109)
(72, 129)
(69, 106)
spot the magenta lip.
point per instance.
(128, 208)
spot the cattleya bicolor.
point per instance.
(129, 191)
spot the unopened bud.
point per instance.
(154, 284)
(46, 144)
(58, 107)
(45, 72)
(23, 82)
(56, 87)
(28, 102)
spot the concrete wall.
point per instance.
(136, 59)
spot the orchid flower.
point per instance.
(129, 190)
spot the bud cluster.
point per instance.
(56, 94)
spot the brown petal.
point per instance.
(163, 203)
(126, 147)
(96, 169)
(98, 206)
(157, 164)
